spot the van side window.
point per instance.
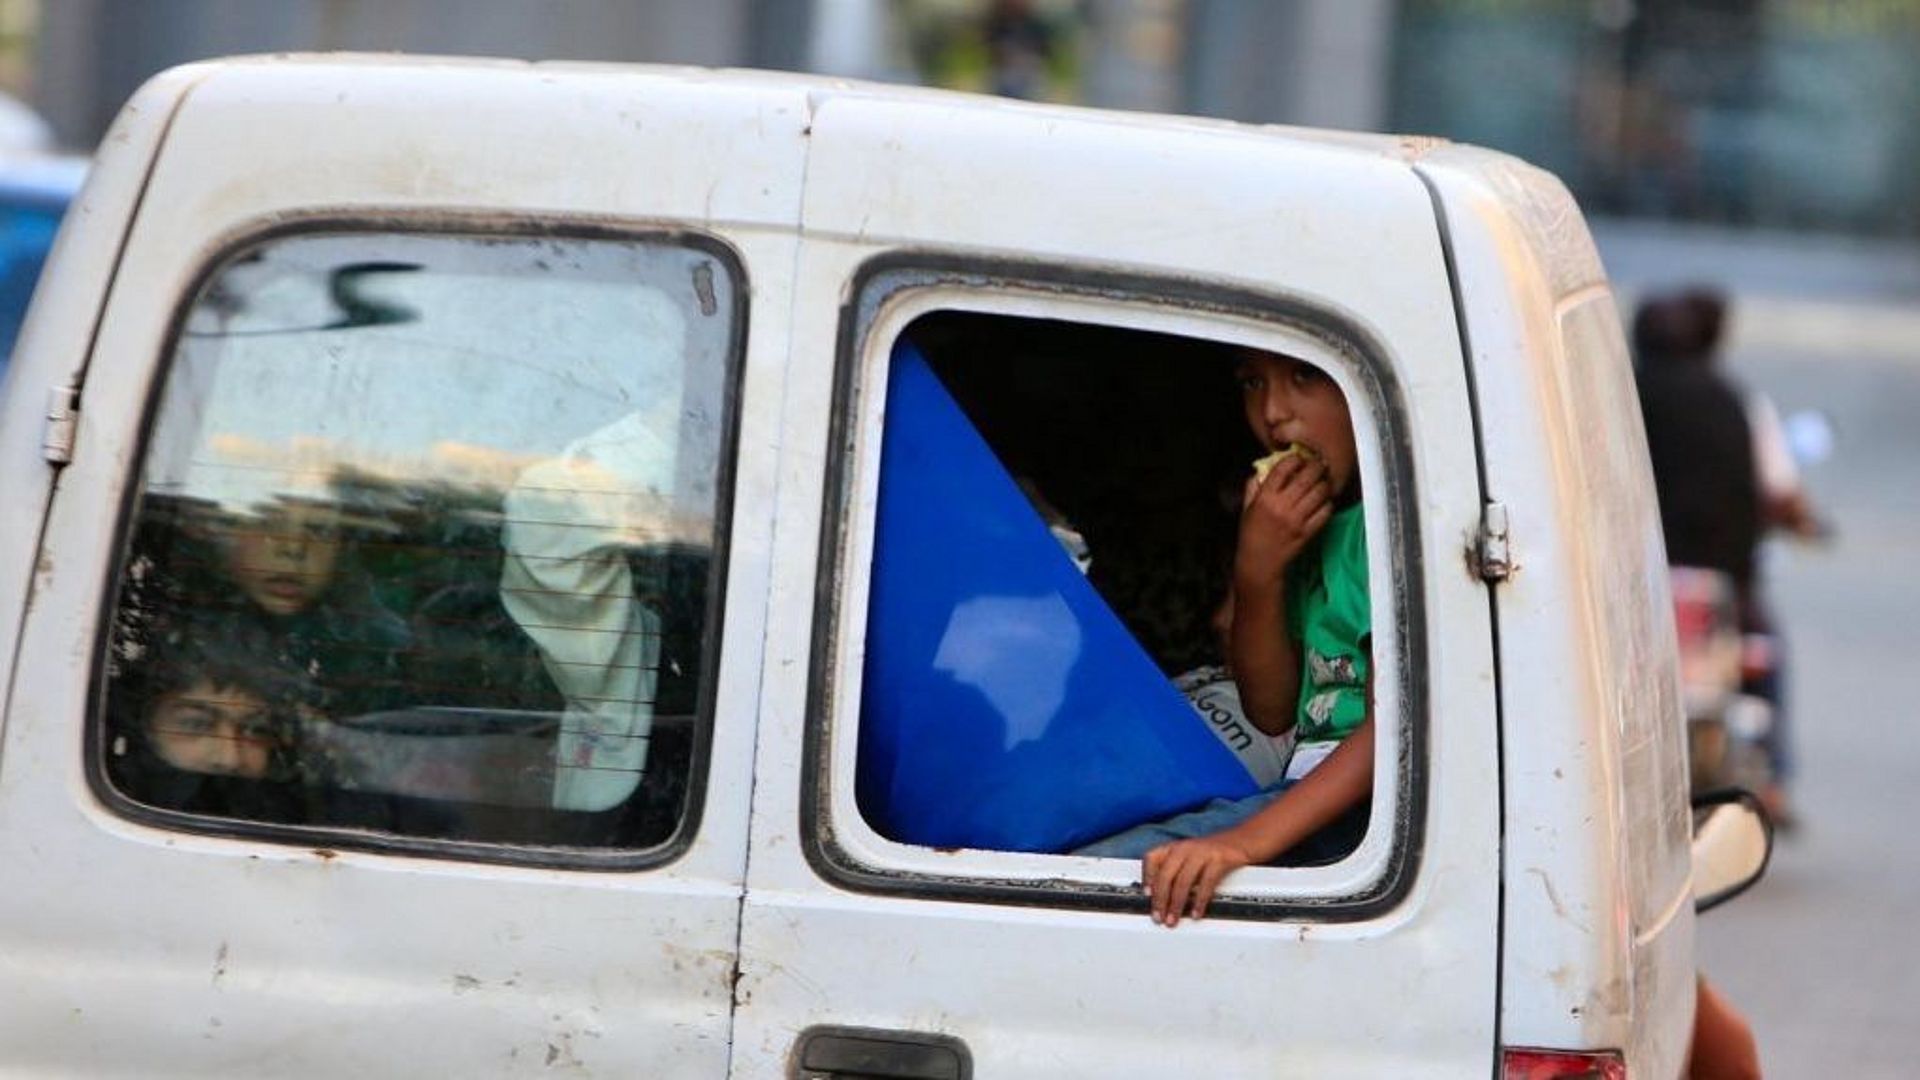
(1048, 641)
(428, 542)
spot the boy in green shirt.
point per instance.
(1298, 635)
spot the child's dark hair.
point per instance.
(220, 652)
(173, 656)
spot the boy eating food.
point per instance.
(1299, 635)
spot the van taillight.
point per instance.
(1525, 1063)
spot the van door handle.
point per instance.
(847, 1053)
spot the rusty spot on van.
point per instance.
(703, 289)
(325, 853)
(42, 577)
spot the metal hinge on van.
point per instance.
(63, 419)
(1492, 548)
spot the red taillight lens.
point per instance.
(1525, 1063)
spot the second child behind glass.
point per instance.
(287, 564)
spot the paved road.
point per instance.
(1825, 953)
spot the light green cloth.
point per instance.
(571, 522)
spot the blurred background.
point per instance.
(1769, 149)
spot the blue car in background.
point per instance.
(34, 193)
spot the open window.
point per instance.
(1041, 505)
(427, 546)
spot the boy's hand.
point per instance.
(1181, 877)
(1281, 514)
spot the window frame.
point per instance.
(322, 837)
(878, 291)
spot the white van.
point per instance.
(437, 612)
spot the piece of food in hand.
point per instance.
(1265, 465)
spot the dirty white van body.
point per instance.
(1525, 881)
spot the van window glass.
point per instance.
(426, 542)
(1047, 647)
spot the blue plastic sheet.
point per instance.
(26, 235)
(1005, 706)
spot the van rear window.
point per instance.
(427, 543)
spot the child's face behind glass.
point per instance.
(1291, 401)
(284, 559)
(205, 728)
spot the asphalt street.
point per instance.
(1824, 954)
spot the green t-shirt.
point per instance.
(1329, 614)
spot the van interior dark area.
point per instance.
(1133, 439)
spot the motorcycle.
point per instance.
(1731, 677)
(1723, 722)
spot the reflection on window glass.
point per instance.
(425, 541)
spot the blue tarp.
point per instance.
(34, 193)
(1005, 706)
(26, 233)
